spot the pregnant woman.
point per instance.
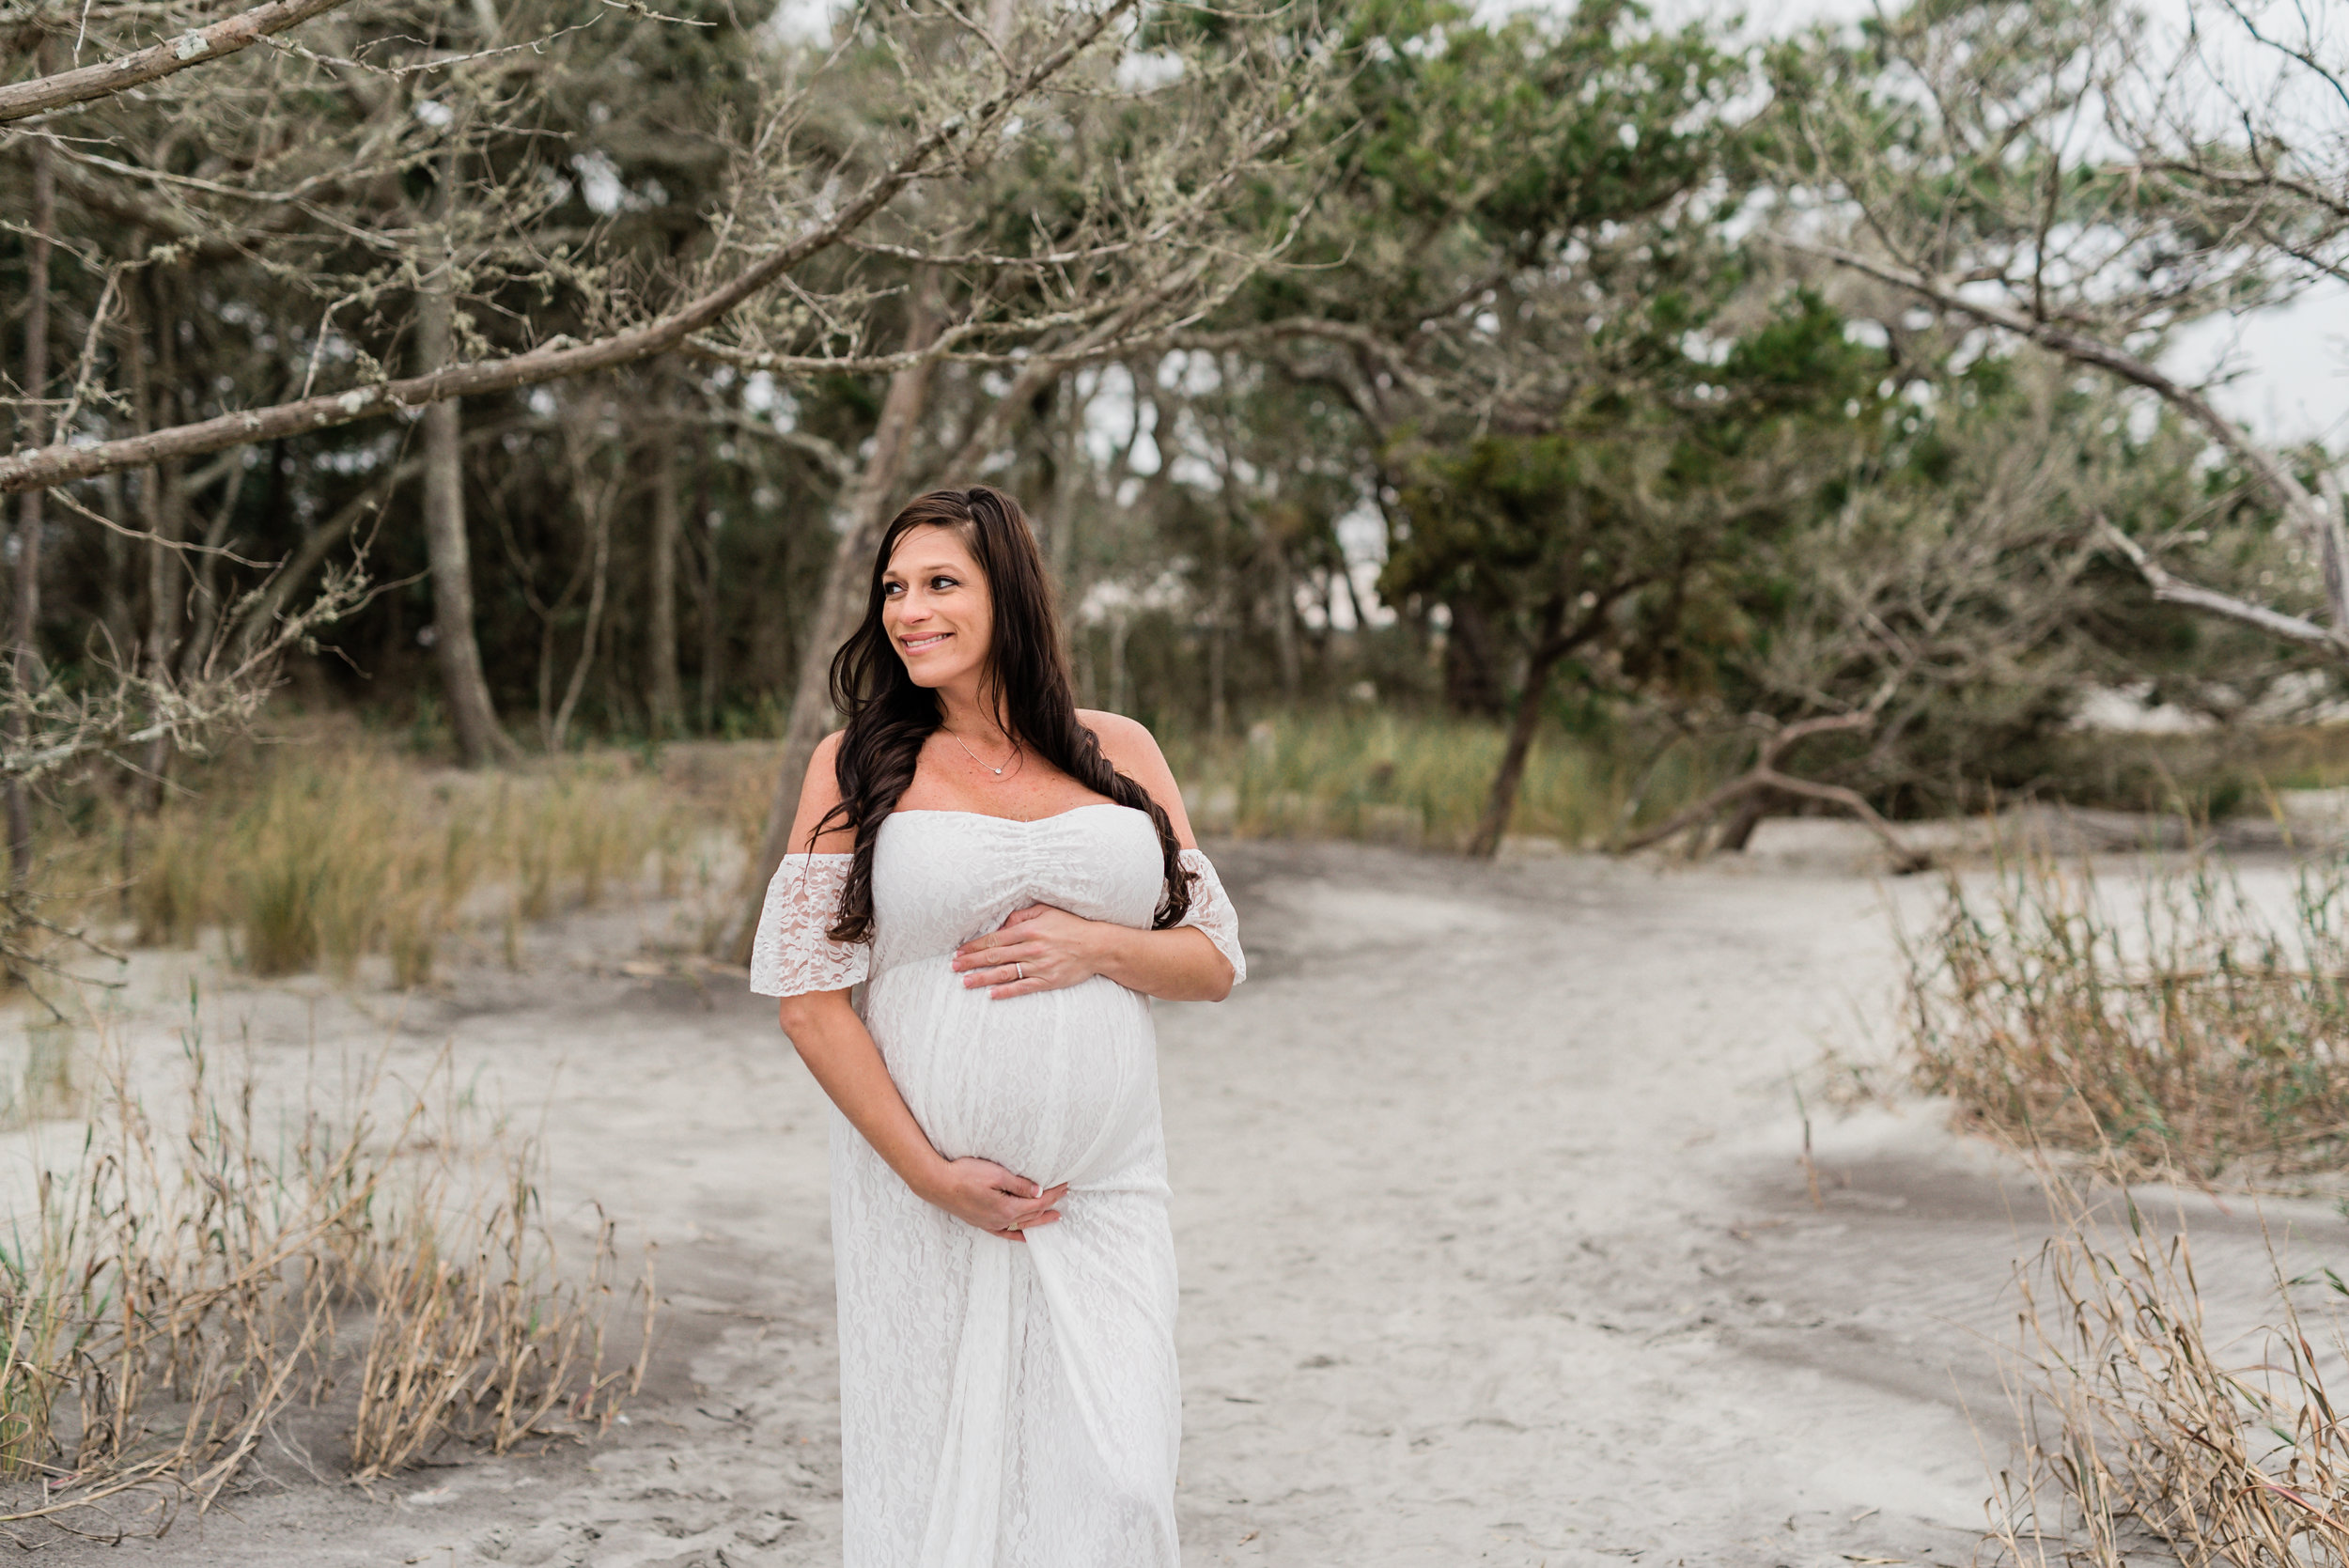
(986, 887)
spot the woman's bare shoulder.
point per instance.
(819, 792)
(1119, 734)
(1133, 750)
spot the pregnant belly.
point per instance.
(1060, 1086)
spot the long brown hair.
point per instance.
(890, 717)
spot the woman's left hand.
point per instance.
(1036, 949)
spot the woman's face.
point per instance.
(936, 607)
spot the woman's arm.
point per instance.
(1042, 949)
(841, 1056)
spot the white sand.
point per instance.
(1495, 1243)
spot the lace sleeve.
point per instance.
(1212, 911)
(791, 955)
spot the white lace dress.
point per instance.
(1002, 1405)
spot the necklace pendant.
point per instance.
(980, 761)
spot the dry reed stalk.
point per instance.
(2204, 1040)
(486, 1347)
(181, 1289)
(2139, 1429)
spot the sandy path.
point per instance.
(1495, 1245)
(1503, 1127)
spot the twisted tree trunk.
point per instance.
(1501, 802)
(1553, 640)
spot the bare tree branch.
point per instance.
(18, 99)
(1765, 774)
(148, 536)
(258, 617)
(1256, 335)
(2302, 54)
(57, 728)
(1100, 343)
(57, 464)
(824, 453)
(2168, 589)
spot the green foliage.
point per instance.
(1650, 505)
(1466, 154)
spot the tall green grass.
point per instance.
(1423, 779)
(319, 859)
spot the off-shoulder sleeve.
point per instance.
(1212, 911)
(792, 956)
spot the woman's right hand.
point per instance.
(983, 1194)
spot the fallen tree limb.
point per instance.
(1765, 775)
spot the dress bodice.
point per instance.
(941, 878)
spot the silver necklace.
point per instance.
(974, 757)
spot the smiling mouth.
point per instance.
(920, 644)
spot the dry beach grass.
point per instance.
(318, 861)
(2195, 1035)
(1387, 778)
(2149, 1431)
(2196, 1039)
(190, 1273)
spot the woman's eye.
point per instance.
(937, 582)
(889, 590)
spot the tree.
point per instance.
(1523, 221)
(413, 185)
(960, 109)
(1617, 535)
(1921, 635)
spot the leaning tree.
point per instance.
(2091, 177)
